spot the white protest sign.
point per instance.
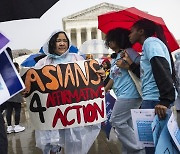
(142, 120)
(65, 96)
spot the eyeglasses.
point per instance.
(62, 41)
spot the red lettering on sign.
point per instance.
(69, 97)
(90, 114)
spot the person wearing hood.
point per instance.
(74, 140)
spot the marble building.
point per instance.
(83, 26)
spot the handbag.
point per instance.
(137, 82)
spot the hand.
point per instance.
(160, 110)
(127, 58)
(122, 64)
(122, 54)
(102, 73)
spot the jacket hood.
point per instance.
(46, 45)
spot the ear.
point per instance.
(141, 31)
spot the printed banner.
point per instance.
(10, 80)
(142, 120)
(65, 95)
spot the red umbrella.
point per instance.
(127, 17)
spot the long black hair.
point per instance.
(52, 42)
(152, 29)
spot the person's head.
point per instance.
(17, 66)
(145, 28)
(118, 39)
(89, 56)
(106, 64)
(59, 43)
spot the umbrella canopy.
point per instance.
(24, 9)
(32, 60)
(127, 17)
(73, 49)
(93, 46)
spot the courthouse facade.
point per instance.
(83, 26)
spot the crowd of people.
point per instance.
(155, 67)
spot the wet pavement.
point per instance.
(24, 142)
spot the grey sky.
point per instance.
(32, 33)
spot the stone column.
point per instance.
(69, 33)
(99, 34)
(78, 37)
(88, 30)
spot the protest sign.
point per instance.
(163, 140)
(157, 127)
(65, 96)
(110, 101)
(10, 80)
(174, 130)
(142, 120)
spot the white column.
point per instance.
(69, 33)
(78, 37)
(99, 34)
(88, 31)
